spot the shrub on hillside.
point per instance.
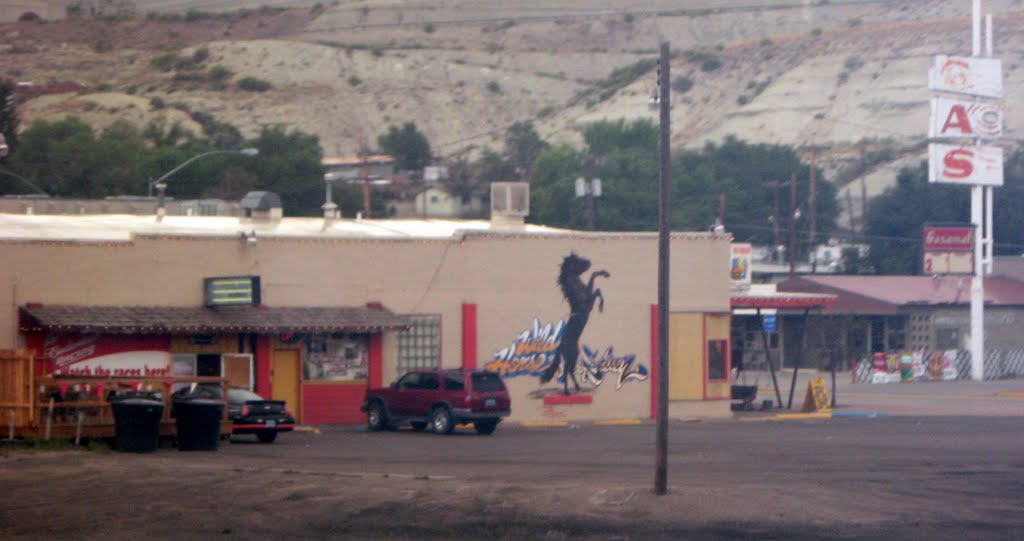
(253, 84)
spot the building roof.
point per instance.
(201, 320)
(339, 161)
(124, 228)
(886, 295)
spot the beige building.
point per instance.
(313, 311)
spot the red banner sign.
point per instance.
(948, 238)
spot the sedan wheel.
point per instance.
(418, 426)
(485, 427)
(267, 436)
(441, 420)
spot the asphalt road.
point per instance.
(895, 477)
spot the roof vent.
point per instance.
(261, 206)
(510, 203)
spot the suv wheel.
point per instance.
(485, 427)
(441, 420)
(376, 418)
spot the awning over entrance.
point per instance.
(768, 297)
(201, 320)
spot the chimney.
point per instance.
(261, 207)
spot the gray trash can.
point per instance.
(198, 423)
(137, 424)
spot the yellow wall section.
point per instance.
(686, 356)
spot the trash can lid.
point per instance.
(139, 402)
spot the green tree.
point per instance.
(895, 219)
(407, 145)
(61, 157)
(289, 163)
(522, 146)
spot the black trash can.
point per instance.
(198, 422)
(137, 424)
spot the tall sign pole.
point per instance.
(970, 123)
(664, 229)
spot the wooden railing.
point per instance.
(80, 406)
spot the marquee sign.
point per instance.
(968, 75)
(962, 119)
(948, 249)
(231, 290)
(966, 165)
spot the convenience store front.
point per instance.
(320, 360)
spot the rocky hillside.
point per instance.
(844, 78)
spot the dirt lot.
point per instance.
(891, 478)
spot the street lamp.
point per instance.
(161, 186)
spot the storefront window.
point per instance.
(420, 346)
(336, 358)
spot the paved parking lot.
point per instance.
(894, 477)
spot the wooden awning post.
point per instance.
(768, 357)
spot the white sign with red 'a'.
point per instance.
(967, 165)
(959, 119)
(967, 75)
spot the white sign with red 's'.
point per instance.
(967, 165)
(967, 75)
(965, 119)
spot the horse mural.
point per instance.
(581, 299)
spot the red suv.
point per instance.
(440, 398)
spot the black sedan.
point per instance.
(248, 411)
(251, 414)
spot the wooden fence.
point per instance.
(80, 406)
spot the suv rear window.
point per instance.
(485, 383)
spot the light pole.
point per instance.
(161, 186)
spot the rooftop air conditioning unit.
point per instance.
(510, 199)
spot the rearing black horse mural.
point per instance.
(581, 299)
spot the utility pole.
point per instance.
(792, 226)
(664, 229)
(364, 174)
(775, 223)
(814, 213)
(721, 209)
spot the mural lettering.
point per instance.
(533, 352)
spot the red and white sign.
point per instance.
(103, 355)
(967, 75)
(966, 165)
(949, 238)
(965, 119)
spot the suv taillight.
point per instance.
(245, 410)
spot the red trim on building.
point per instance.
(469, 335)
(654, 361)
(262, 360)
(704, 353)
(570, 399)
(376, 354)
